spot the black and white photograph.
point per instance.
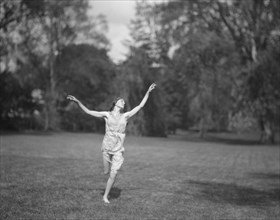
(140, 109)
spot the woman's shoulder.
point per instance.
(106, 114)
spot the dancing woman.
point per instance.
(112, 145)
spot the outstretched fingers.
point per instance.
(72, 98)
(153, 86)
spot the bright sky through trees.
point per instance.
(118, 14)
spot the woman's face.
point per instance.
(120, 103)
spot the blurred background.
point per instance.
(216, 64)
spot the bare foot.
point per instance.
(105, 200)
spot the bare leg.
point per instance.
(106, 162)
(109, 185)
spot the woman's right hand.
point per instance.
(72, 98)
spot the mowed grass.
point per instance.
(59, 176)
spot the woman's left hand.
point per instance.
(152, 87)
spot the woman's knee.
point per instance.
(113, 174)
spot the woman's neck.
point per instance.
(116, 110)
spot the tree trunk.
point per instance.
(52, 112)
(202, 129)
(267, 132)
(51, 116)
(46, 122)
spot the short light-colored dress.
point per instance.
(113, 142)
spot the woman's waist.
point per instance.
(115, 132)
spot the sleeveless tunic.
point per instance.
(115, 134)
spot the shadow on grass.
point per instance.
(114, 193)
(233, 141)
(31, 132)
(225, 138)
(266, 176)
(271, 180)
(235, 194)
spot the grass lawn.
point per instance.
(59, 176)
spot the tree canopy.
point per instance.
(216, 64)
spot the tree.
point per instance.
(16, 99)
(254, 27)
(54, 25)
(11, 13)
(192, 57)
(263, 93)
(134, 77)
(17, 104)
(87, 67)
(33, 33)
(250, 26)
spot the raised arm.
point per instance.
(86, 110)
(141, 105)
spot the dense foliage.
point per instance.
(216, 64)
(219, 62)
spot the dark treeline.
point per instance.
(216, 64)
